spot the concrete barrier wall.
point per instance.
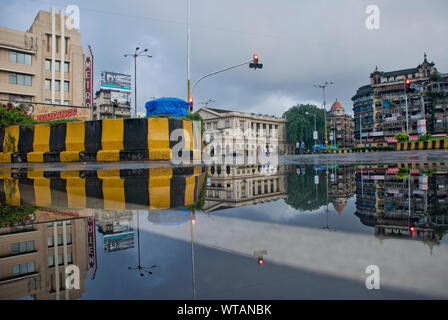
(100, 140)
(155, 188)
(423, 145)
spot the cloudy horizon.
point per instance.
(300, 43)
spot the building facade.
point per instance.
(33, 258)
(111, 104)
(380, 107)
(259, 131)
(236, 186)
(341, 125)
(391, 204)
(44, 64)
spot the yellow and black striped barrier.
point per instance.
(422, 165)
(101, 140)
(113, 189)
(423, 145)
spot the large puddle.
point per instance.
(230, 232)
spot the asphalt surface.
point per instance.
(391, 157)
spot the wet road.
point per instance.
(422, 156)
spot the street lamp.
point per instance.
(315, 130)
(139, 267)
(323, 86)
(135, 55)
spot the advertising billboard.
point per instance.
(122, 97)
(116, 81)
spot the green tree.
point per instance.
(300, 126)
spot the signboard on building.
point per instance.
(116, 81)
(331, 136)
(91, 246)
(88, 78)
(421, 127)
(391, 139)
(45, 112)
(121, 97)
(315, 135)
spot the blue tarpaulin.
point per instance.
(167, 106)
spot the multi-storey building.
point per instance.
(341, 125)
(44, 64)
(259, 131)
(111, 104)
(392, 204)
(33, 257)
(380, 108)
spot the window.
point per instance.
(57, 66)
(48, 43)
(66, 66)
(47, 100)
(57, 101)
(69, 238)
(17, 57)
(20, 79)
(23, 268)
(47, 84)
(60, 260)
(50, 261)
(69, 258)
(47, 64)
(50, 241)
(66, 102)
(66, 86)
(57, 85)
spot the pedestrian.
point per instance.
(297, 146)
(302, 147)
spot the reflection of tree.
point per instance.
(302, 190)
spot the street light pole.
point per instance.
(323, 86)
(406, 104)
(188, 52)
(135, 55)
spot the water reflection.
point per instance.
(260, 223)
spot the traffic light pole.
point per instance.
(219, 71)
(406, 104)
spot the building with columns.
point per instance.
(236, 186)
(260, 131)
(341, 125)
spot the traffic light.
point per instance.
(412, 229)
(260, 260)
(408, 86)
(190, 101)
(255, 64)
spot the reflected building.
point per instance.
(116, 228)
(33, 258)
(341, 186)
(235, 186)
(405, 202)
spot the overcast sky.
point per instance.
(300, 43)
